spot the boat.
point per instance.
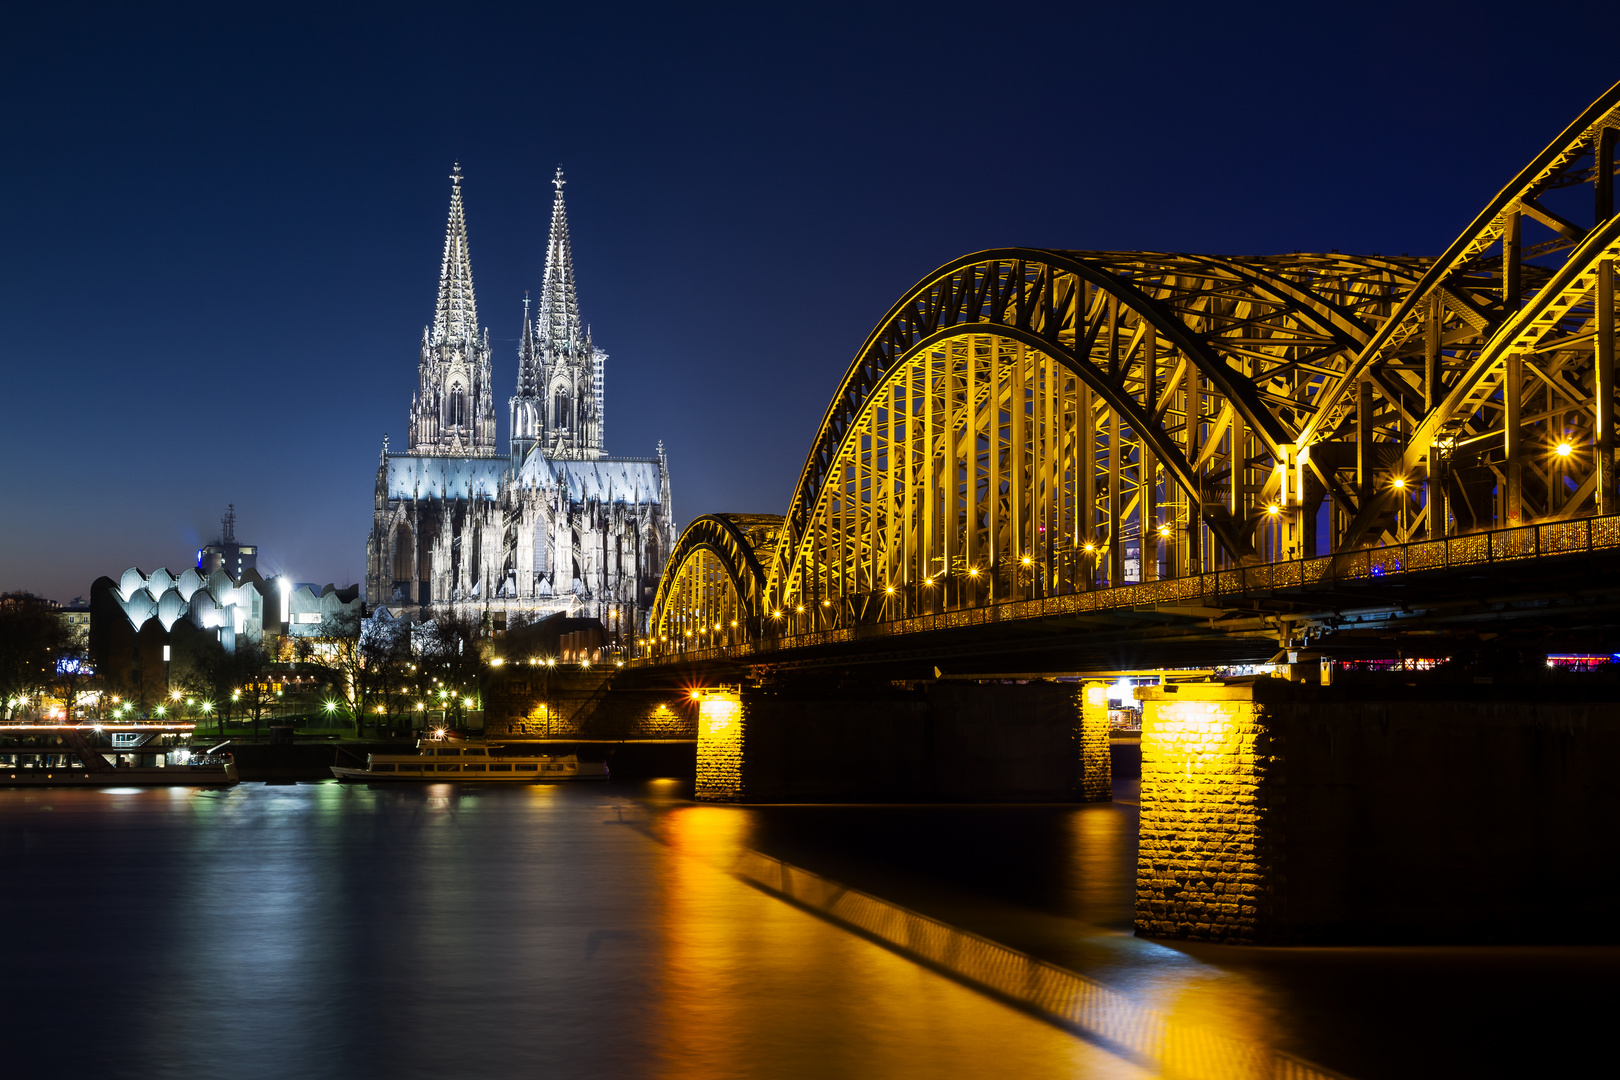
(109, 755)
(463, 761)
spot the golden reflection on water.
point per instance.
(752, 986)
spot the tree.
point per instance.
(255, 690)
(365, 663)
(32, 639)
(451, 653)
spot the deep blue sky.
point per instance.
(226, 223)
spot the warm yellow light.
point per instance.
(175, 694)
(889, 589)
(696, 694)
(776, 614)
(1028, 560)
(1564, 449)
(420, 706)
(733, 622)
(1398, 483)
(1091, 547)
(799, 609)
(1273, 509)
(826, 603)
(973, 571)
(496, 661)
(467, 701)
(551, 661)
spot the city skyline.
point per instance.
(228, 254)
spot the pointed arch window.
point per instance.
(560, 411)
(456, 408)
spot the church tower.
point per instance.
(568, 367)
(453, 411)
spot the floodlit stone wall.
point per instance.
(722, 722)
(1204, 860)
(1274, 813)
(1096, 757)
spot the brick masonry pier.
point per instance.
(1277, 813)
(955, 741)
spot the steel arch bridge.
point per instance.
(1029, 423)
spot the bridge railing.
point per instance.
(1544, 540)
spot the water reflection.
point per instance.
(342, 931)
(754, 987)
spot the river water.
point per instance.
(319, 930)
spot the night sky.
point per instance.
(225, 224)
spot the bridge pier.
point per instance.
(945, 741)
(1275, 813)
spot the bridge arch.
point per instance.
(711, 591)
(1501, 344)
(1102, 349)
(1026, 422)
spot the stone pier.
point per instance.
(947, 741)
(1275, 813)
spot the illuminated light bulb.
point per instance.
(799, 609)
(889, 589)
(826, 603)
(1027, 560)
(1273, 509)
(1398, 483)
(974, 571)
(1164, 530)
(1564, 449)
(1091, 547)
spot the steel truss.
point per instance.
(1026, 423)
(711, 592)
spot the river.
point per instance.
(318, 930)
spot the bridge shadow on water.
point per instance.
(1057, 883)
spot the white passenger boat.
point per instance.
(441, 760)
(108, 755)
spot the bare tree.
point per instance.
(255, 690)
(451, 653)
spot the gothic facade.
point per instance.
(555, 525)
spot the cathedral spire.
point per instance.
(456, 317)
(558, 322)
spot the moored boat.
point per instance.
(444, 760)
(108, 755)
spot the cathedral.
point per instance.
(553, 526)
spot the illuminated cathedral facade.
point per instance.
(553, 526)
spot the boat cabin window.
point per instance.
(476, 753)
(449, 768)
(427, 751)
(449, 753)
(500, 768)
(524, 768)
(382, 768)
(474, 768)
